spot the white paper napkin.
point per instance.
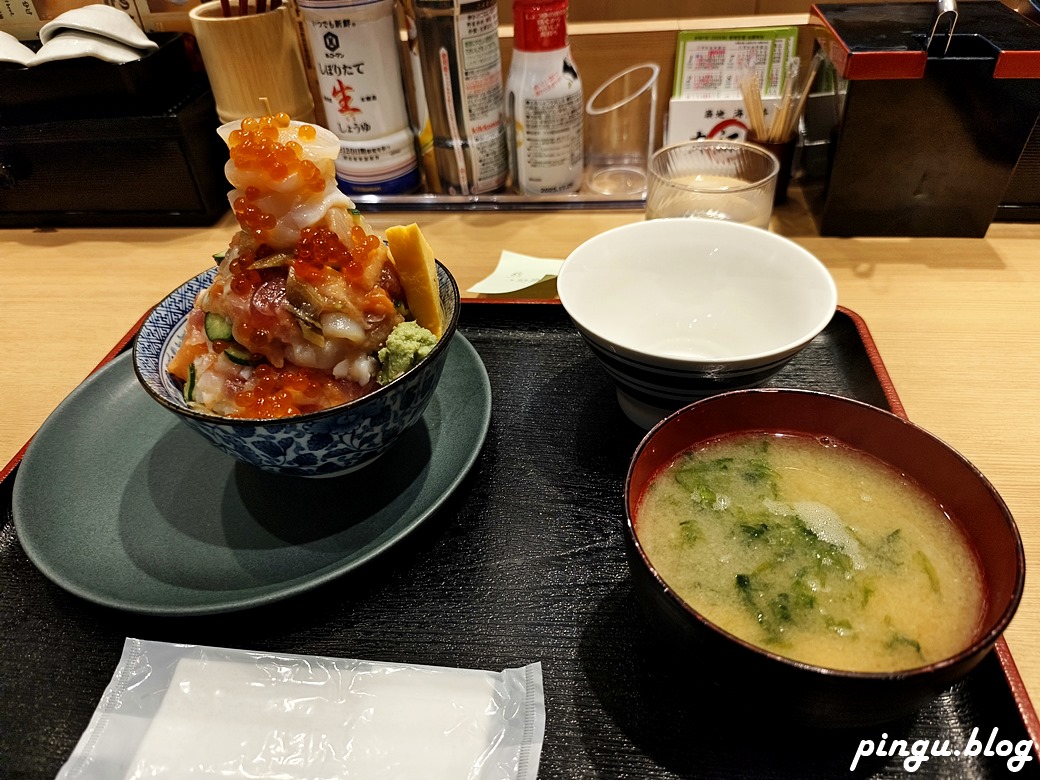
(516, 272)
(185, 711)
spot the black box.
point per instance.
(88, 143)
(89, 87)
(923, 142)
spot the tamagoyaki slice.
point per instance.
(417, 269)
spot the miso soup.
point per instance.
(814, 551)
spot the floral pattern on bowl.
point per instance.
(319, 444)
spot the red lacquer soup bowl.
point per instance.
(776, 686)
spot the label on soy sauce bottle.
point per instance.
(462, 76)
(354, 47)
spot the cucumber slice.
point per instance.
(239, 354)
(189, 386)
(218, 327)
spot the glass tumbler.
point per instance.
(729, 180)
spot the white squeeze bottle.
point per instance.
(544, 104)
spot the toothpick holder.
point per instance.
(784, 152)
(250, 57)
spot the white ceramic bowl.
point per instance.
(13, 50)
(72, 45)
(680, 309)
(101, 20)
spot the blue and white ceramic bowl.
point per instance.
(680, 309)
(326, 443)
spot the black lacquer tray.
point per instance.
(525, 562)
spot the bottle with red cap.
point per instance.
(544, 104)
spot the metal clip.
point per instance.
(945, 16)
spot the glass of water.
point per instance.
(711, 179)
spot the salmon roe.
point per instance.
(243, 278)
(364, 243)
(256, 147)
(320, 248)
(255, 337)
(276, 393)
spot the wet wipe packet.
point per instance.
(175, 710)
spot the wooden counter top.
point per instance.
(957, 322)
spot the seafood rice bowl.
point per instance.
(314, 342)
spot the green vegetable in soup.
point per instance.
(781, 591)
(926, 566)
(813, 551)
(899, 642)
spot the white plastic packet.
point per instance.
(173, 711)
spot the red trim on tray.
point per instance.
(1003, 652)
(13, 462)
(122, 343)
(1017, 65)
(865, 65)
(1018, 690)
(887, 386)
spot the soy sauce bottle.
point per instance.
(462, 77)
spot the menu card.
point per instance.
(706, 100)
